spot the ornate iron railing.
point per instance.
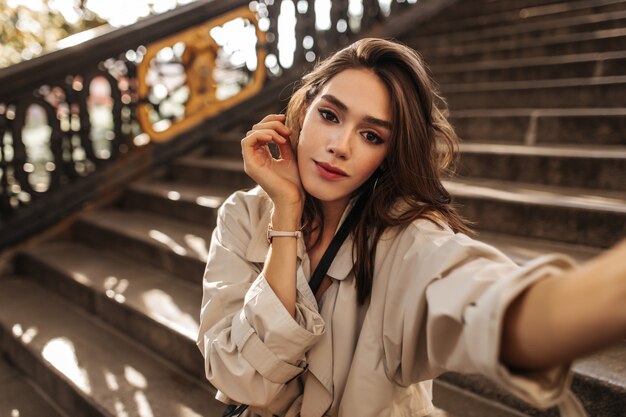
(76, 122)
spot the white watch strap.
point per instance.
(275, 233)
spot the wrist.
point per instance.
(286, 219)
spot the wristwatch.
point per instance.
(271, 233)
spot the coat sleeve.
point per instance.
(251, 344)
(452, 307)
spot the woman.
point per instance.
(409, 295)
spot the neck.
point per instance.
(332, 211)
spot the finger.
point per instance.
(255, 139)
(276, 137)
(251, 145)
(273, 117)
(275, 125)
(276, 116)
(286, 151)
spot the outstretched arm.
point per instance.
(567, 316)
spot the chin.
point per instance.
(325, 191)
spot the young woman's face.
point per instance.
(345, 135)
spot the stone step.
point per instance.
(230, 147)
(529, 30)
(227, 143)
(530, 14)
(523, 249)
(563, 93)
(577, 43)
(466, 404)
(601, 126)
(194, 203)
(158, 310)
(600, 168)
(599, 382)
(212, 170)
(175, 246)
(539, 68)
(92, 369)
(19, 397)
(472, 8)
(574, 216)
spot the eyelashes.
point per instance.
(326, 114)
(330, 117)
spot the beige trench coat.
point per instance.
(437, 305)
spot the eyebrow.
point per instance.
(382, 123)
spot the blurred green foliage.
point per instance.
(29, 28)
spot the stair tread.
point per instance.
(529, 12)
(205, 195)
(545, 112)
(116, 373)
(563, 151)
(183, 238)
(516, 44)
(522, 249)
(467, 404)
(213, 162)
(7, 372)
(618, 80)
(522, 26)
(152, 292)
(493, 64)
(608, 366)
(19, 396)
(537, 194)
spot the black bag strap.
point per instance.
(335, 244)
(320, 271)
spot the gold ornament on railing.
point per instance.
(184, 79)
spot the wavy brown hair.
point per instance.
(422, 148)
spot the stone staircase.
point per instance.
(101, 321)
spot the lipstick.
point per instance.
(329, 172)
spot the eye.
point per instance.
(328, 115)
(372, 137)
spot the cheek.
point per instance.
(371, 159)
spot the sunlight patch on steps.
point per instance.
(60, 353)
(167, 241)
(135, 378)
(111, 381)
(143, 405)
(115, 288)
(24, 335)
(198, 245)
(165, 310)
(206, 201)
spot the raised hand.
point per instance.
(278, 177)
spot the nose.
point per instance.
(339, 144)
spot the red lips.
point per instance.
(332, 169)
